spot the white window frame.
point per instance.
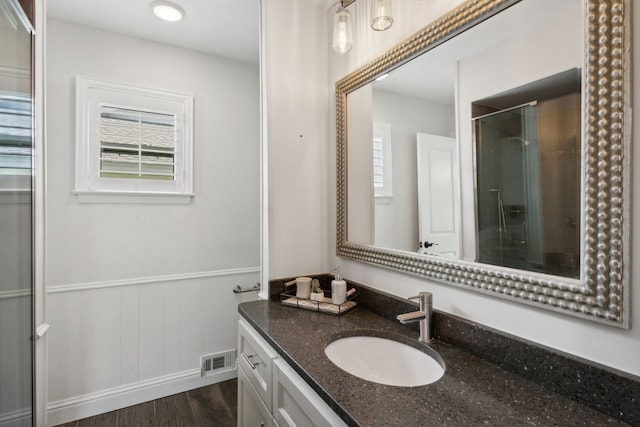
(90, 187)
(382, 132)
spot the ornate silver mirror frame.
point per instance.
(602, 292)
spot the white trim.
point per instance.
(383, 200)
(16, 191)
(20, 293)
(21, 417)
(148, 280)
(264, 156)
(120, 197)
(40, 363)
(14, 72)
(115, 398)
(22, 17)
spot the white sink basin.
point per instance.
(385, 361)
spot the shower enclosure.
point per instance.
(528, 186)
(16, 208)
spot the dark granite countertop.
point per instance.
(471, 392)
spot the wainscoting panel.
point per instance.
(191, 326)
(173, 317)
(152, 330)
(119, 344)
(130, 334)
(15, 365)
(100, 334)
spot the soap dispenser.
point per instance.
(338, 289)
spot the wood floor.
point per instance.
(214, 405)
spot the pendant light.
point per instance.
(342, 32)
(381, 15)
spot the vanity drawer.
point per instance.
(251, 409)
(255, 357)
(296, 404)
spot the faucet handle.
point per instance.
(424, 298)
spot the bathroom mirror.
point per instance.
(466, 116)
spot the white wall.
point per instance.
(137, 292)
(603, 344)
(296, 76)
(360, 194)
(397, 221)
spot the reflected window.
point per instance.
(15, 134)
(382, 182)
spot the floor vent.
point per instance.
(211, 363)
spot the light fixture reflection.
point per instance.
(167, 10)
(381, 14)
(342, 33)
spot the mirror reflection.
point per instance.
(528, 178)
(472, 150)
(16, 210)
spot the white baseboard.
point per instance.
(120, 397)
(16, 419)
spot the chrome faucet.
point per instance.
(423, 316)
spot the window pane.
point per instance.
(15, 134)
(137, 144)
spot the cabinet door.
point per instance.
(251, 410)
(296, 404)
(255, 356)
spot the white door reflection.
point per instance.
(438, 196)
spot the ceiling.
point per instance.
(228, 28)
(439, 64)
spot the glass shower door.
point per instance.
(16, 248)
(510, 229)
(528, 174)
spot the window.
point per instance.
(382, 160)
(15, 146)
(15, 134)
(132, 142)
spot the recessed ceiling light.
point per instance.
(167, 10)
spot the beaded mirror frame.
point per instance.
(601, 294)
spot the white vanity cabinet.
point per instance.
(255, 356)
(271, 393)
(295, 403)
(251, 409)
(254, 378)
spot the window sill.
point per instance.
(383, 200)
(118, 197)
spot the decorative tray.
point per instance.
(325, 306)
